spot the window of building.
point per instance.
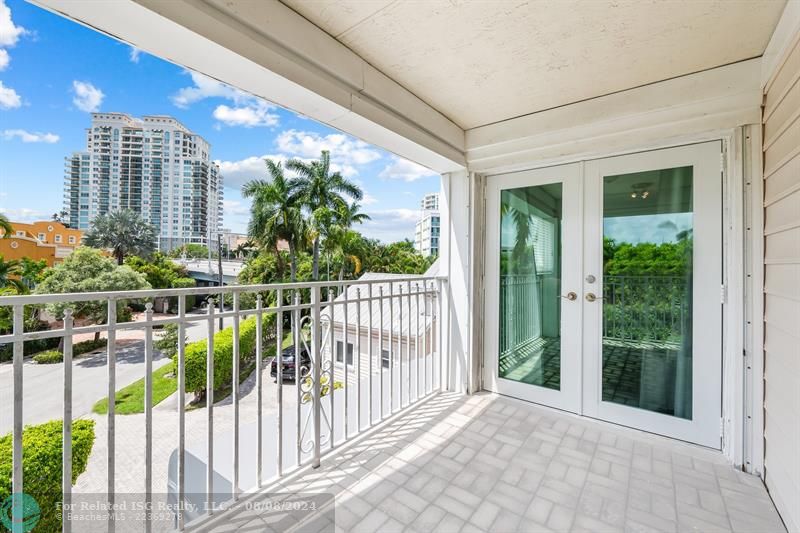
(385, 358)
(41, 237)
(72, 239)
(339, 352)
(58, 238)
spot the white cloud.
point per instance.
(4, 59)
(390, 225)
(346, 152)
(9, 99)
(237, 173)
(30, 137)
(135, 54)
(205, 87)
(24, 214)
(248, 116)
(9, 32)
(87, 97)
(368, 199)
(248, 110)
(403, 169)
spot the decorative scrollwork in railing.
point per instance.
(307, 381)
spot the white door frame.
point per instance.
(569, 396)
(704, 427)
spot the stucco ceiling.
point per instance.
(481, 62)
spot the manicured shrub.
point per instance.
(83, 347)
(41, 465)
(195, 354)
(49, 357)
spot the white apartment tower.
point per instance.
(153, 165)
(427, 231)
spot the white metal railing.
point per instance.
(400, 318)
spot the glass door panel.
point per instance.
(531, 289)
(647, 290)
(652, 317)
(530, 285)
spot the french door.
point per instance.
(603, 289)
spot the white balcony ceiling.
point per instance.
(482, 62)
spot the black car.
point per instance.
(288, 361)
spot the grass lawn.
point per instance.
(130, 400)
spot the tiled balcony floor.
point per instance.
(490, 463)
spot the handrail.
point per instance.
(33, 299)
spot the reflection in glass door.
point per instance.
(533, 310)
(647, 290)
(652, 316)
(530, 283)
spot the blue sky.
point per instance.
(54, 72)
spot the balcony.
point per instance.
(208, 453)
(387, 448)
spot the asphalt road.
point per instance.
(43, 385)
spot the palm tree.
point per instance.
(322, 193)
(344, 241)
(276, 214)
(10, 272)
(6, 226)
(125, 232)
(241, 251)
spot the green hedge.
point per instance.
(41, 465)
(80, 348)
(48, 357)
(195, 370)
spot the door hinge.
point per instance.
(723, 293)
(721, 429)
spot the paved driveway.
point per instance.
(43, 385)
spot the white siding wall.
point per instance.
(782, 286)
(427, 346)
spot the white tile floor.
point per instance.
(490, 463)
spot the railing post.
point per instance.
(235, 396)
(210, 408)
(297, 374)
(16, 479)
(66, 458)
(259, 391)
(279, 377)
(440, 332)
(181, 410)
(316, 363)
(112, 399)
(358, 358)
(148, 412)
(371, 355)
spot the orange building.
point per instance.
(46, 239)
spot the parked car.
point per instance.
(288, 360)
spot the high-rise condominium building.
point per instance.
(153, 165)
(426, 234)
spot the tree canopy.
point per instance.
(88, 270)
(124, 232)
(160, 271)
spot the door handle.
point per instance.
(590, 297)
(571, 296)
